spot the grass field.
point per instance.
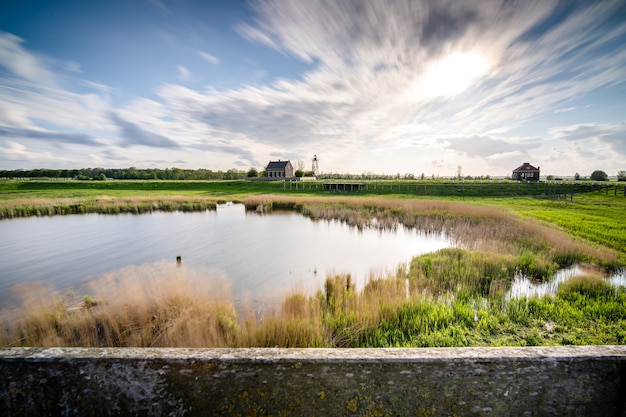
(454, 297)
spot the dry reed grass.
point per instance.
(151, 305)
(24, 207)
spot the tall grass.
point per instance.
(151, 305)
(103, 204)
(173, 311)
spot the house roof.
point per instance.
(277, 164)
(525, 167)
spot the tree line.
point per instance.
(131, 173)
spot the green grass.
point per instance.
(600, 220)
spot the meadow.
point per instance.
(453, 297)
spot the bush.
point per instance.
(589, 286)
(599, 175)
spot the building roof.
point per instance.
(277, 164)
(525, 167)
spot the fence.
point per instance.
(559, 189)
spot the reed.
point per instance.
(153, 305)
(102, 204)
(140, 307)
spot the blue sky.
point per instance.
(401, 86)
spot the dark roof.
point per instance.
(277, 165)
(525, 167)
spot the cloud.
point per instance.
(135, 135)
(209, 58)
(370, 54)
(220, 147)
(183, 74)
(613, 135)
(60, 137)
(22, 63)
(484, 146)
(16, 152)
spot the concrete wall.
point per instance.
(558, 381)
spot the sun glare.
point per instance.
(453, 74)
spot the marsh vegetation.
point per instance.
(452, 297)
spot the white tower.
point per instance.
(315, 168)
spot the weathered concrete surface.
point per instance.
(556, 381)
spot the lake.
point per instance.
(260, 258)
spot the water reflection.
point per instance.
(263, 257)
(525, 287)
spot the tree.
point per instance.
(599, 175)
(253, 173)
(299, 173)
(621, 175)
(577, 176)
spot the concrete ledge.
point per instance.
(553, 381)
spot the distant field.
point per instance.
(234, 188)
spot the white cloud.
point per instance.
(183, 74)
(209, 58)
(613, 135)
(13, 151)
(21, 63)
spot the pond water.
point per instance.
(261, 257)
(525, 287)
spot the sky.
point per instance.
(434, 87)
